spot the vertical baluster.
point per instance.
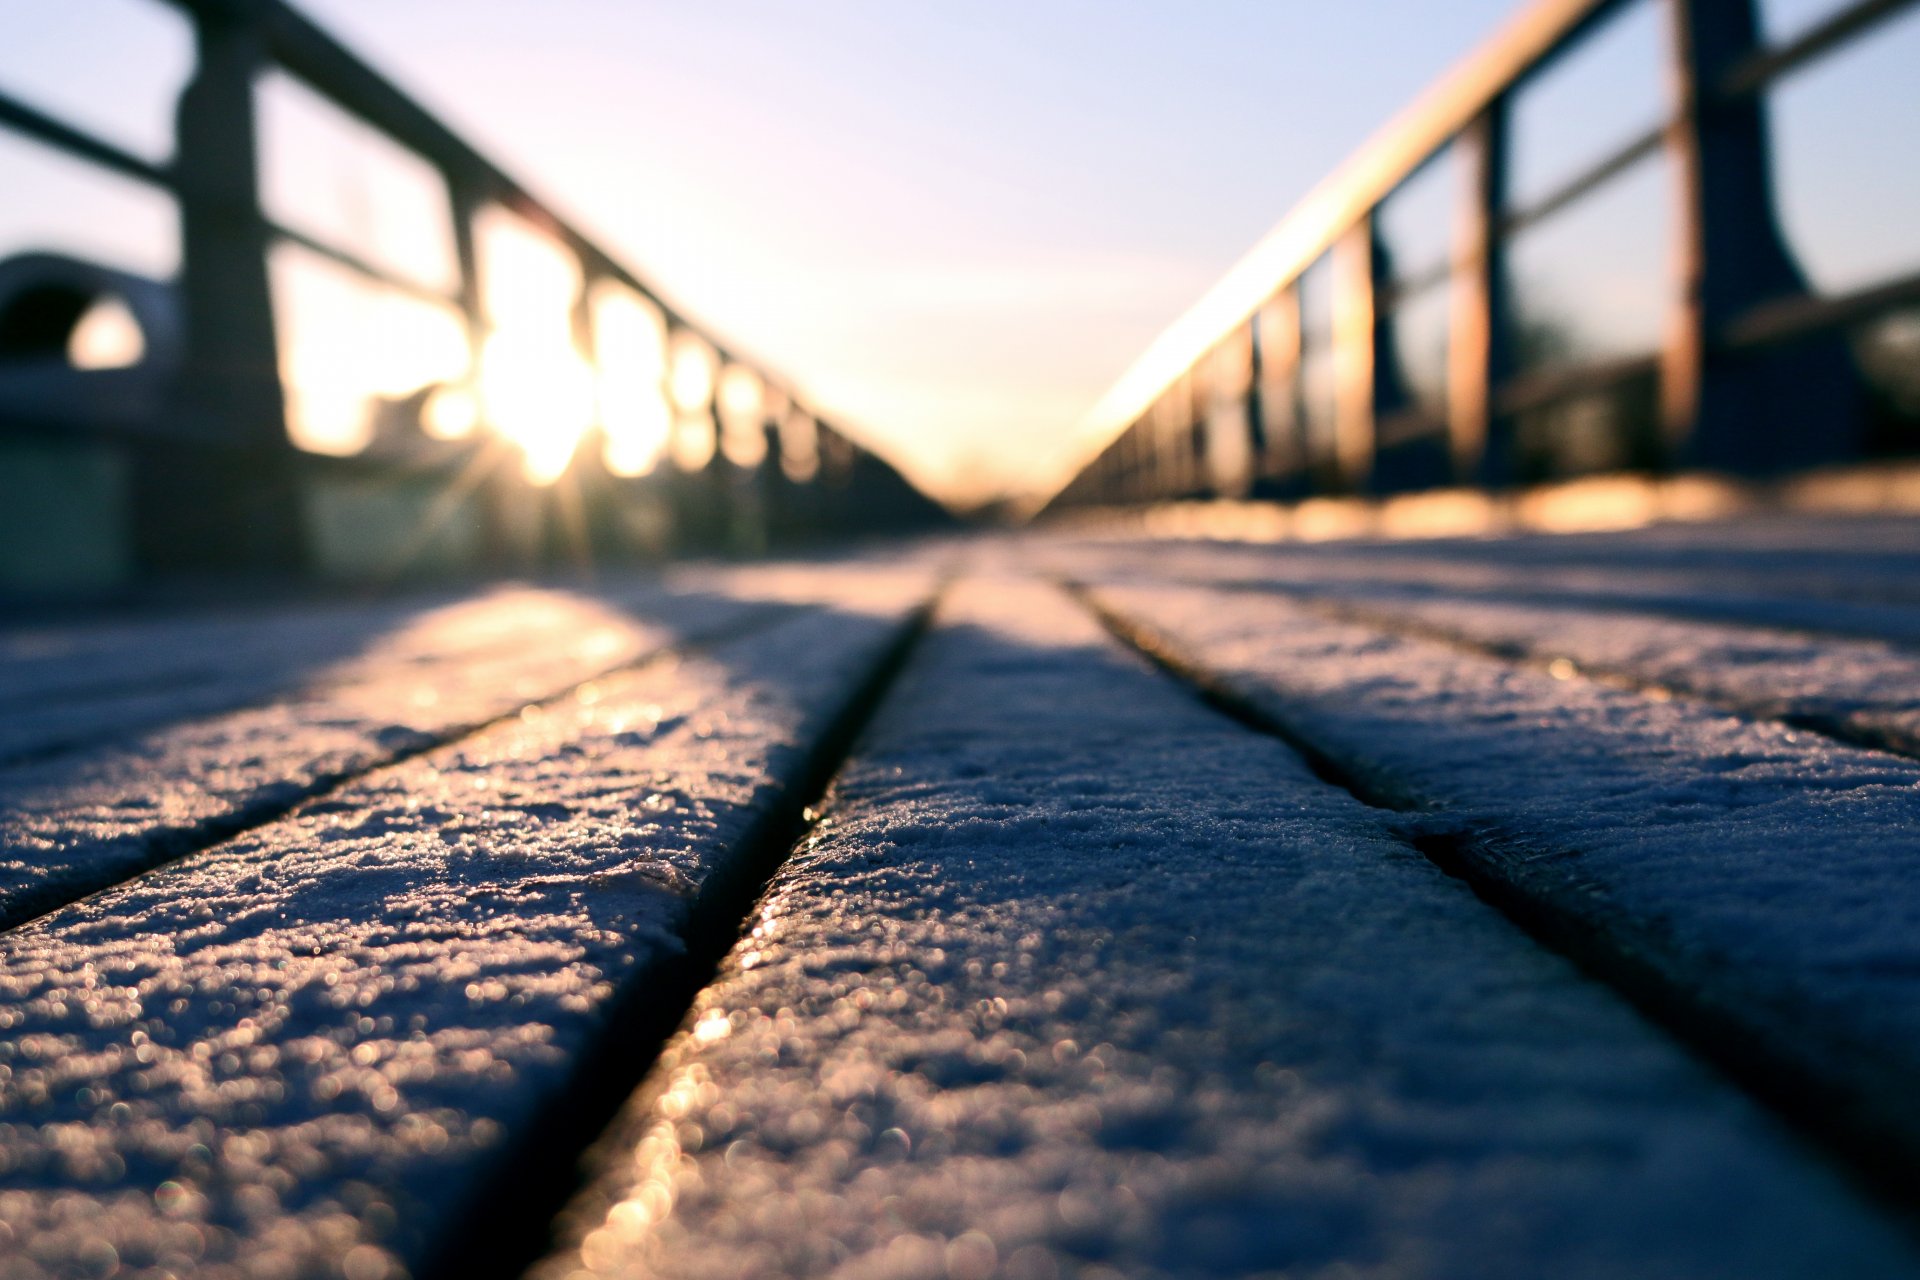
(1228, 413)
(230, 497)
(1258, 437)
(1283, 423)
(494, 482)
(1406, 460)
(1151, 474)
(464, 202)
(582, 498)
(1192, 439)
(1479, 344)
(1355, 306)
(1197, 401)
(1788, 408)
(1168, 477)
(1139, 462)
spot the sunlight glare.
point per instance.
(450, 413)
(348, 343)
(630, 456)
(693, 441)
(538, 393)
(107, 337)
(799, 446)
(741, 400)
(630, 352)
(331, 176)
(536, 387)
(744, 447)
(774, 402)
(691, 379)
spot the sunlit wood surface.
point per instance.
(1082, 903)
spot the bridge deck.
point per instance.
(1504, 907)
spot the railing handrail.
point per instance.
(295, 44)
(215, 478)
(1412, 137)
(299, 46)
(1735, 285)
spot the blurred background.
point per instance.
(924, 238)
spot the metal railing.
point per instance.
(1754, 375)
(215, 482)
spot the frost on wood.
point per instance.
(1856, 576)
(1865, 691)
(1079, 975)
(307, 1048)
(1769, 874)
(75, 822)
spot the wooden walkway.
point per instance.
(1033, 907)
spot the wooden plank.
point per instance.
(65, 686)
(1852, 577)
(319, 1048)
(1078, 977)
(1860, 691)
(74, 823)
(1759, 885)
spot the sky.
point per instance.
(954, 225)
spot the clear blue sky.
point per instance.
(954, 224)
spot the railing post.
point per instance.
(230, 499)
(1146, 471)
(1153, 448)
(1256, 409)
(581, 499)
(1227, 413)
(1199, 386)
(1408, 462)
(1479, 343)
(1355, 307)
(1281, 423)
(1168, 469)
(464, 203)
(494, 482)
(1792, 408)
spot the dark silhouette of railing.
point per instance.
(1755, 376)
(214, 481)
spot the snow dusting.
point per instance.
(303, 1051)
(1078, 978)
(1769, 874)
